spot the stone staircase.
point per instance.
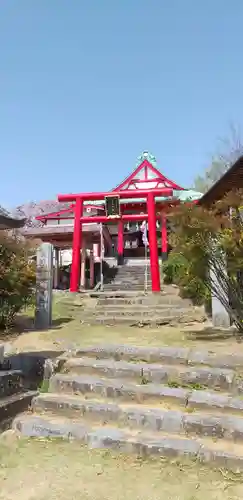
(129, 277)
(134, 307)
(165, 401)
(15, 397)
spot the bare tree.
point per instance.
(230, 149)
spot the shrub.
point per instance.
(173, 267)
(178, 270)
(17, 277)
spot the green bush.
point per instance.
(178, 270)
(17, 277)
(173, 267)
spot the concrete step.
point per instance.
(164, 355)
(128, 441)
(10, 406)
(138, 417)
(11, 382)
(218, 378)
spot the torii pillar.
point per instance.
(77, 245)
(120, 243)
(153, 244)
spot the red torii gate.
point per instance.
(151, 216)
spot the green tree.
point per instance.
(213, 239)
(17, 276)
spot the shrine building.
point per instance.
(127, 223)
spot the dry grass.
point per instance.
(41, 470)
(68, 332)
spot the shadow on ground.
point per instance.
(210, 334)
(25, 324)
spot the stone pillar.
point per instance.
(220, 316)
(44, 282)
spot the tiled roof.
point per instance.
(9, 220)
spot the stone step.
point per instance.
(167, 300)
(121, 307)
(134, 294)
(218, 378)
(135, 276)
(11, 382)
(124, 273)
(128, 276)
(114, 288)
(10, 406)
(116, 293)
(138, 417)
(138, 320)
(164, 355)
(162, 397)
(124, 285)
(126, 390)
(140, 312)
(127, 441)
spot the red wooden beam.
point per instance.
(140, 193)
(125, 218)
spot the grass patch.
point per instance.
(190, 385)
(55, 469)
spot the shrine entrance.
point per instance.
(115, 212)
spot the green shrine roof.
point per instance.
(147, 174)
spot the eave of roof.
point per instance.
(11, 223)
(64, 229)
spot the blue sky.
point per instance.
(87, 85)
